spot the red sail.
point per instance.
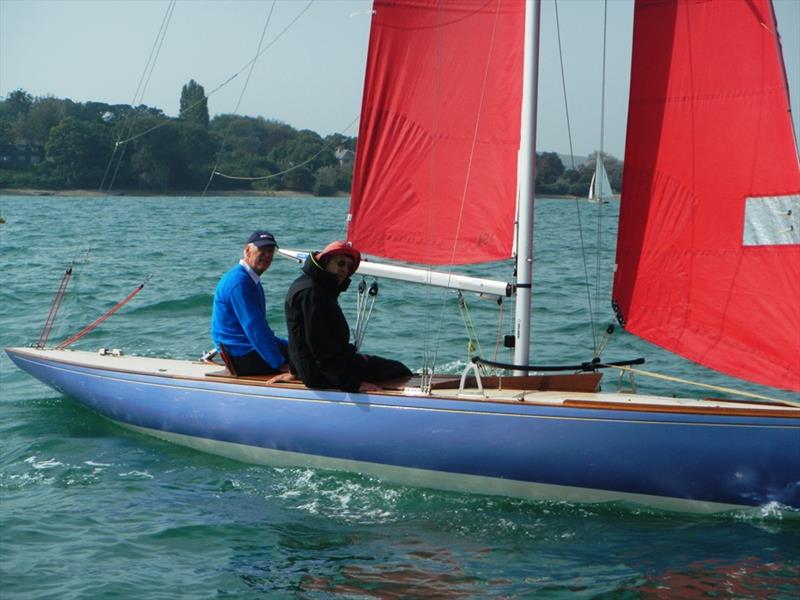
(435, 172)
(708, 258)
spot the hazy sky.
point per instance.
(312, 76)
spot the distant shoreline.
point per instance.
(229, 193)
(174, 194)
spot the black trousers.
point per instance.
(252, 364)
(376, 368)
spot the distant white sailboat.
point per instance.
(600, 188)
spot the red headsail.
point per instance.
(435, 173)
(708, 258)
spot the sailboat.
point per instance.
(600, 187)
(708, 266)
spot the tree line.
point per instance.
(58, 144)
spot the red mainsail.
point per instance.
(708, 257)
(436, 165)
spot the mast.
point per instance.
(526, 178)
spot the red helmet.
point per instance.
(341, 247)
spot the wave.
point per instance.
(189, 304)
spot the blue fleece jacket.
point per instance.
(239, 318)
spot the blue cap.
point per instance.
(262, 239)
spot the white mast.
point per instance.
(526, 176)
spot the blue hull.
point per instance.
(675, 461)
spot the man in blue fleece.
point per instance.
(239, 314)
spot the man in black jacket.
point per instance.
(320, 352)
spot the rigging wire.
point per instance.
(122, 140)
(138, 95)
(127, 125)
(290, 169)
(365, 301)
(577, 201)
(473, 341)
(126, 136)
(93, 325)
(500, 327)
(51, 316)
(467, 177)
(241, 95)
(599, 247)
(232, 77)
(428, 359)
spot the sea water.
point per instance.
(90, 510)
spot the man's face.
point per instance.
(340, 265)
(259, 259)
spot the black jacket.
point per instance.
(320, 351)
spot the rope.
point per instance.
(603, 343)
(583, 367)
(572, 159)
(51, 316)
(93, 325)
(241, 95)
(500, 319)
(716, 388)
(473, 342)
(364, 305)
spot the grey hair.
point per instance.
(244, 251)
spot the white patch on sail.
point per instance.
(772, 220)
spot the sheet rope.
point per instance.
(708, 386)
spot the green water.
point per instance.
(89, 510)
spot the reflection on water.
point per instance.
(746, 578)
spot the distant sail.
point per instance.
(600, 187)
(435, 173)
(708, 257)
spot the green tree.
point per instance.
(18, 103)
(194, 104)
(338, 140)
(196, 151)
(6, 133)
(155, 158)
(325, 181)
(79, 151)
(34, 126)
(250, 134)
(300, 179)
(548, 167)
(305, 145)
(344, 178)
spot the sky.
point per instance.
(311, 74)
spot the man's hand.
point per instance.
(366, 386)
(285, 377)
